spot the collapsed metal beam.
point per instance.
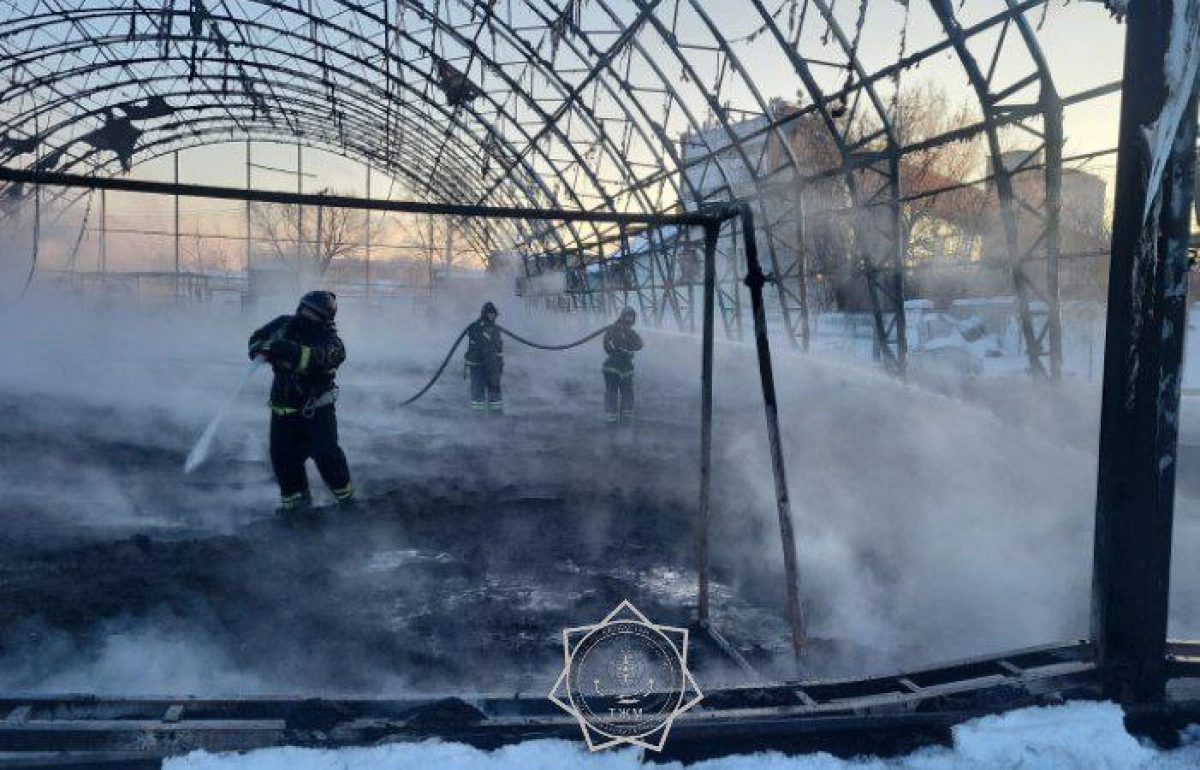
(884, 716)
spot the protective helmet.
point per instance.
(628, 315)
(323, 303)
(488, 307)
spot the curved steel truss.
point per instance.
(604, 105)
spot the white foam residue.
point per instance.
(1077, 736)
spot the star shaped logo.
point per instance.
(625, 679)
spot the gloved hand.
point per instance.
(260, 348)
(284, 354)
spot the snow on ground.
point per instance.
(1077, 736)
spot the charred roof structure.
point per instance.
(578, 104)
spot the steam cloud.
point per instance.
(928, 527)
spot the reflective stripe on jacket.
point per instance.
(320, 352)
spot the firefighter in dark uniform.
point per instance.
(485, 361)
(305, 351)
(620, 343)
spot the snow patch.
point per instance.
(1077, 736)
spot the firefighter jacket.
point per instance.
(620, 343)
(305, 356)
(484, 346)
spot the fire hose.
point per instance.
(200, 451)
(446, 361)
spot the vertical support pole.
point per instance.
(177, 244)
(735, 250)
(103, 231)
(367, 251)
(387, 81)
(319, 246)
(1143, 350)
(657, 308)
(429, 254)
(899, 247)
(625, 260)
(37, 217)
(299, 207)
(712, 231)
(249, 184)
(37, 230)
(1052, 105)
(755, 281)
(802, 269)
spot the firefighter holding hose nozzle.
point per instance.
(620, 343)
(304, 351)
(485, 361)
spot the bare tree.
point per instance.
(211, 256)
(938, 225)
(310, 238)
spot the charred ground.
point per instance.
(437, 580)
(929, 527)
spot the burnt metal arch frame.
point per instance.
(448, 114)
(658, 257)
(574, 96)
(888, 292)
(531, 142)
(545, 189)
(566, 103)
(499, 71)
(728, 300)
(994, 105)
(75, 25)
(315, 130)
(315, 127)
(735, 142)
(886, 296)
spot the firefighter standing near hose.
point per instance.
(620, 343)
(304, 351)
(485, 361)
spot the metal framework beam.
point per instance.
(1147, 318)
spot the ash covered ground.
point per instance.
(928, 527)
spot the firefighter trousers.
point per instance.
(294, 439)
(618, 397)
(486, 393)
